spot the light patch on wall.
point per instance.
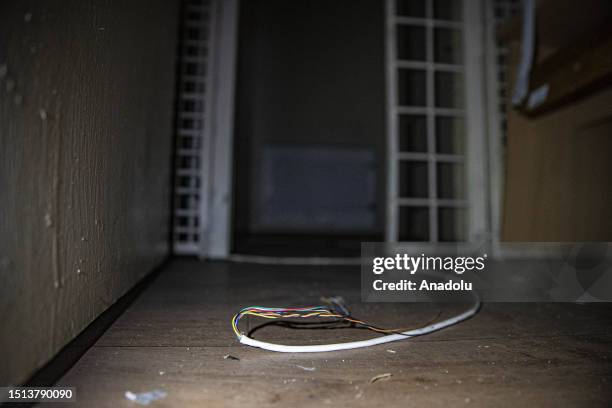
(317, 187)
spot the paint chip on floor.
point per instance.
(380, 377)
(145, 398)
(307, 368)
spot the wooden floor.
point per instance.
(175, 336)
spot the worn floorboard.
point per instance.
(175, 335)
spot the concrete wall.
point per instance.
(86, 97)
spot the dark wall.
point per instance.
(85, 140)
(310, 72)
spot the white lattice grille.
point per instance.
(191, 122)
(426, 117)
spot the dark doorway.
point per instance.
(310, 136)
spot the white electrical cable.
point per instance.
(367, 343)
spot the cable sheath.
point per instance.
(367, 343)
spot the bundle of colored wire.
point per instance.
(336, 310)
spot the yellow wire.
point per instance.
(318, 313)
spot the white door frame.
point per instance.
(477, 159)
(217, 174)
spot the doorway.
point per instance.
(309, 140)
(327, 124)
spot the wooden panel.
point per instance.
(573, 71)
(85, 141)
(559, 22)
(558, 166)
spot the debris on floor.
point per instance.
(145, 398)
(307, 368)
(230, 357)
(380, 377)
(391, 351)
